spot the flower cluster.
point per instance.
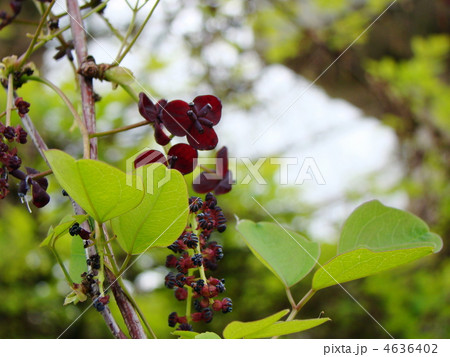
(10, 163)
(195, 121)
(198, 254)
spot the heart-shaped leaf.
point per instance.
(162, 215)
(288, 327)
(289, 255)
(379, 228)
(54, 233)
(376, 238)
(363, 262)
(238, 329)
(100, 189)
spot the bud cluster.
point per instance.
(10, 164)
(197, 254)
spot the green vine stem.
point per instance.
(9, 101)
(41, 174)
(31, 48)
(128, 33)
(299, 306)
(61, 264)
(141, 28)
(119, 130)
(130, 91)
(47, 38)
(81, 126)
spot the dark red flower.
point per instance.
(181, 157)
(218, 181)
(194, 120)
(153, 113)
(22, 106)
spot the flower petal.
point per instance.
(160, 136)
(185, 158)
(203, 141)
(175, 118)
(222, 162)
(149, 157)
(40, 197)
(205, 182)
(41, 181)
(146, 108)
(224, 185)
(216, 107)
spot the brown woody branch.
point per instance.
(88, 104)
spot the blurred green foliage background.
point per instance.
(397, 72)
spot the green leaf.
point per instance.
(77, 261)
(288, 327)
(363, 262)
(289, 255)
(238, 329)
(207, 336)
(376, 238)
(185, 334)
(100, 189)
(162, 215)
(380, 228)
(61, 229)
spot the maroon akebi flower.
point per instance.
(181, 157)
(40, 197)
(194, 120)
(153, 113)
(218, 181)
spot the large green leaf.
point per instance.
(162, 215)
(376, 238)
(379, 228)
(363, 262)
(288, 327)
(207, 336)
(185, 334)
(100, 189)
(77, 262)
(287, 254)
(238, 329)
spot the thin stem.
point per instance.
(124, 264)
(41, 174)
(119, 130)
(81, 126)
(136, 307)
(9, 101)
(61, 264)
(300, 305)
(31, 48)
(38, 142)
(111, 27)
(128, 33)
(82, 7)
(131, 92)
(99, 237)
(290, 298)
(189, 298)
(141, 28)
(65, 28)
